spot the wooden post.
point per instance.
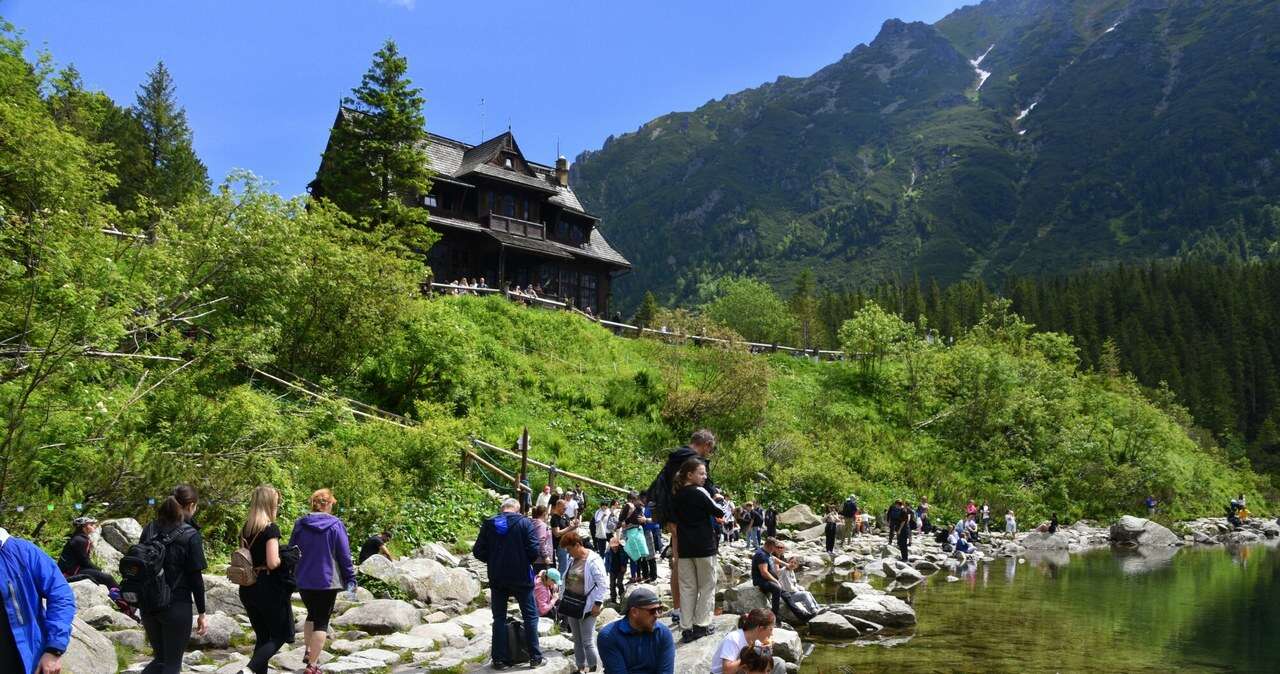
(524, 468)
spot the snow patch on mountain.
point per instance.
(982, 74)
(1022, 115)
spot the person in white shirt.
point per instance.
(755, 627)
(600, 526)
(1010, 524)
(730, 523)
(570, 506)
(544, 498)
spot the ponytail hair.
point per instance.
(173, 510)
(755, 619)
(170, 512)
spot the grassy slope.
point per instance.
(1038, 438)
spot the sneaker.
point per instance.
(690, 636)
(499, 666)
(537, 662)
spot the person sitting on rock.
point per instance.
(76, 562)
(637, 643)
(764, 574)
(753, 640)
(799, 600)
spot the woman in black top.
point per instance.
(267, 600)
(169, 628)
(695, 513)
(76, 560)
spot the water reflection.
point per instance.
(1194, 610)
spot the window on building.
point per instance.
(507, 162)
(430, 201)
(587, 291)
(509, 206)
(562, 230)
(488, 202)
(569, 284)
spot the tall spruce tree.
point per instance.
(173, 171)
(374, 164)
(804, 306)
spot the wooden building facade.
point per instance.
(513, 223)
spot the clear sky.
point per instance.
(261, 79)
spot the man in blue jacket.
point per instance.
(638, 643)
(38, 607)
(509, 545)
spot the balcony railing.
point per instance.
(516, 226)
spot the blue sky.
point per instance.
(261, 79)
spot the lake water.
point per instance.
(1196, 610)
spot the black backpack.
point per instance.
(850, 508)
(517, 642)
(143, 582)
(659, 495)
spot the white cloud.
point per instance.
(405, 4)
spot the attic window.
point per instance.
(430, 201)
(506, 161)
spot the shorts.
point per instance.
(319, 605)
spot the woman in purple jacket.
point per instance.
(324, 569)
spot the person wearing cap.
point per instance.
(546, 591)
(637, 643)
(38, 607)
(508, 545)
(76, 560)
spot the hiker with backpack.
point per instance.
(161, 575)
(695, 511)
(849, 511)
(264, 586)
(39, 607)
(702, 446)
(324, 569)
(829, 523)
(508, 545)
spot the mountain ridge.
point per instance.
(1083, 146)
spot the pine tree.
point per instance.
(173, 172)
(804, 306)
(375, 166)
(115, 132)
(648, 309)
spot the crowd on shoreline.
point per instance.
(541, 561)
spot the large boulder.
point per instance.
(744, 597)
(439, 633)
(106, 618)
(222, 630)
(121, 533)
(89, 651)
(833, 626)
(884, 609)
(90, 594)
(381, 616)
(695, 658)
(222, 595)
(787, 645)
(798, 517)
(1038, 540)
(425, 579)
(1132, 530)
(813, 533)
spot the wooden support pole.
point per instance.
(524, 463)
(539, 464)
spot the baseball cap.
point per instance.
(642, 597)
(554, 575)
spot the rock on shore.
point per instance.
(1138, 531)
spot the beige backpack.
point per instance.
(241, 571)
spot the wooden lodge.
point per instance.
(514, 222)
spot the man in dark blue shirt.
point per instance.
(508, 544)
(638, 643)
(764, 574)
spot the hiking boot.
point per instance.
(537, 662)
(499, 666)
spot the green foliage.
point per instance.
(375, 168)
(751, 309)
(648, 309)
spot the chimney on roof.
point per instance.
(562, 171)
